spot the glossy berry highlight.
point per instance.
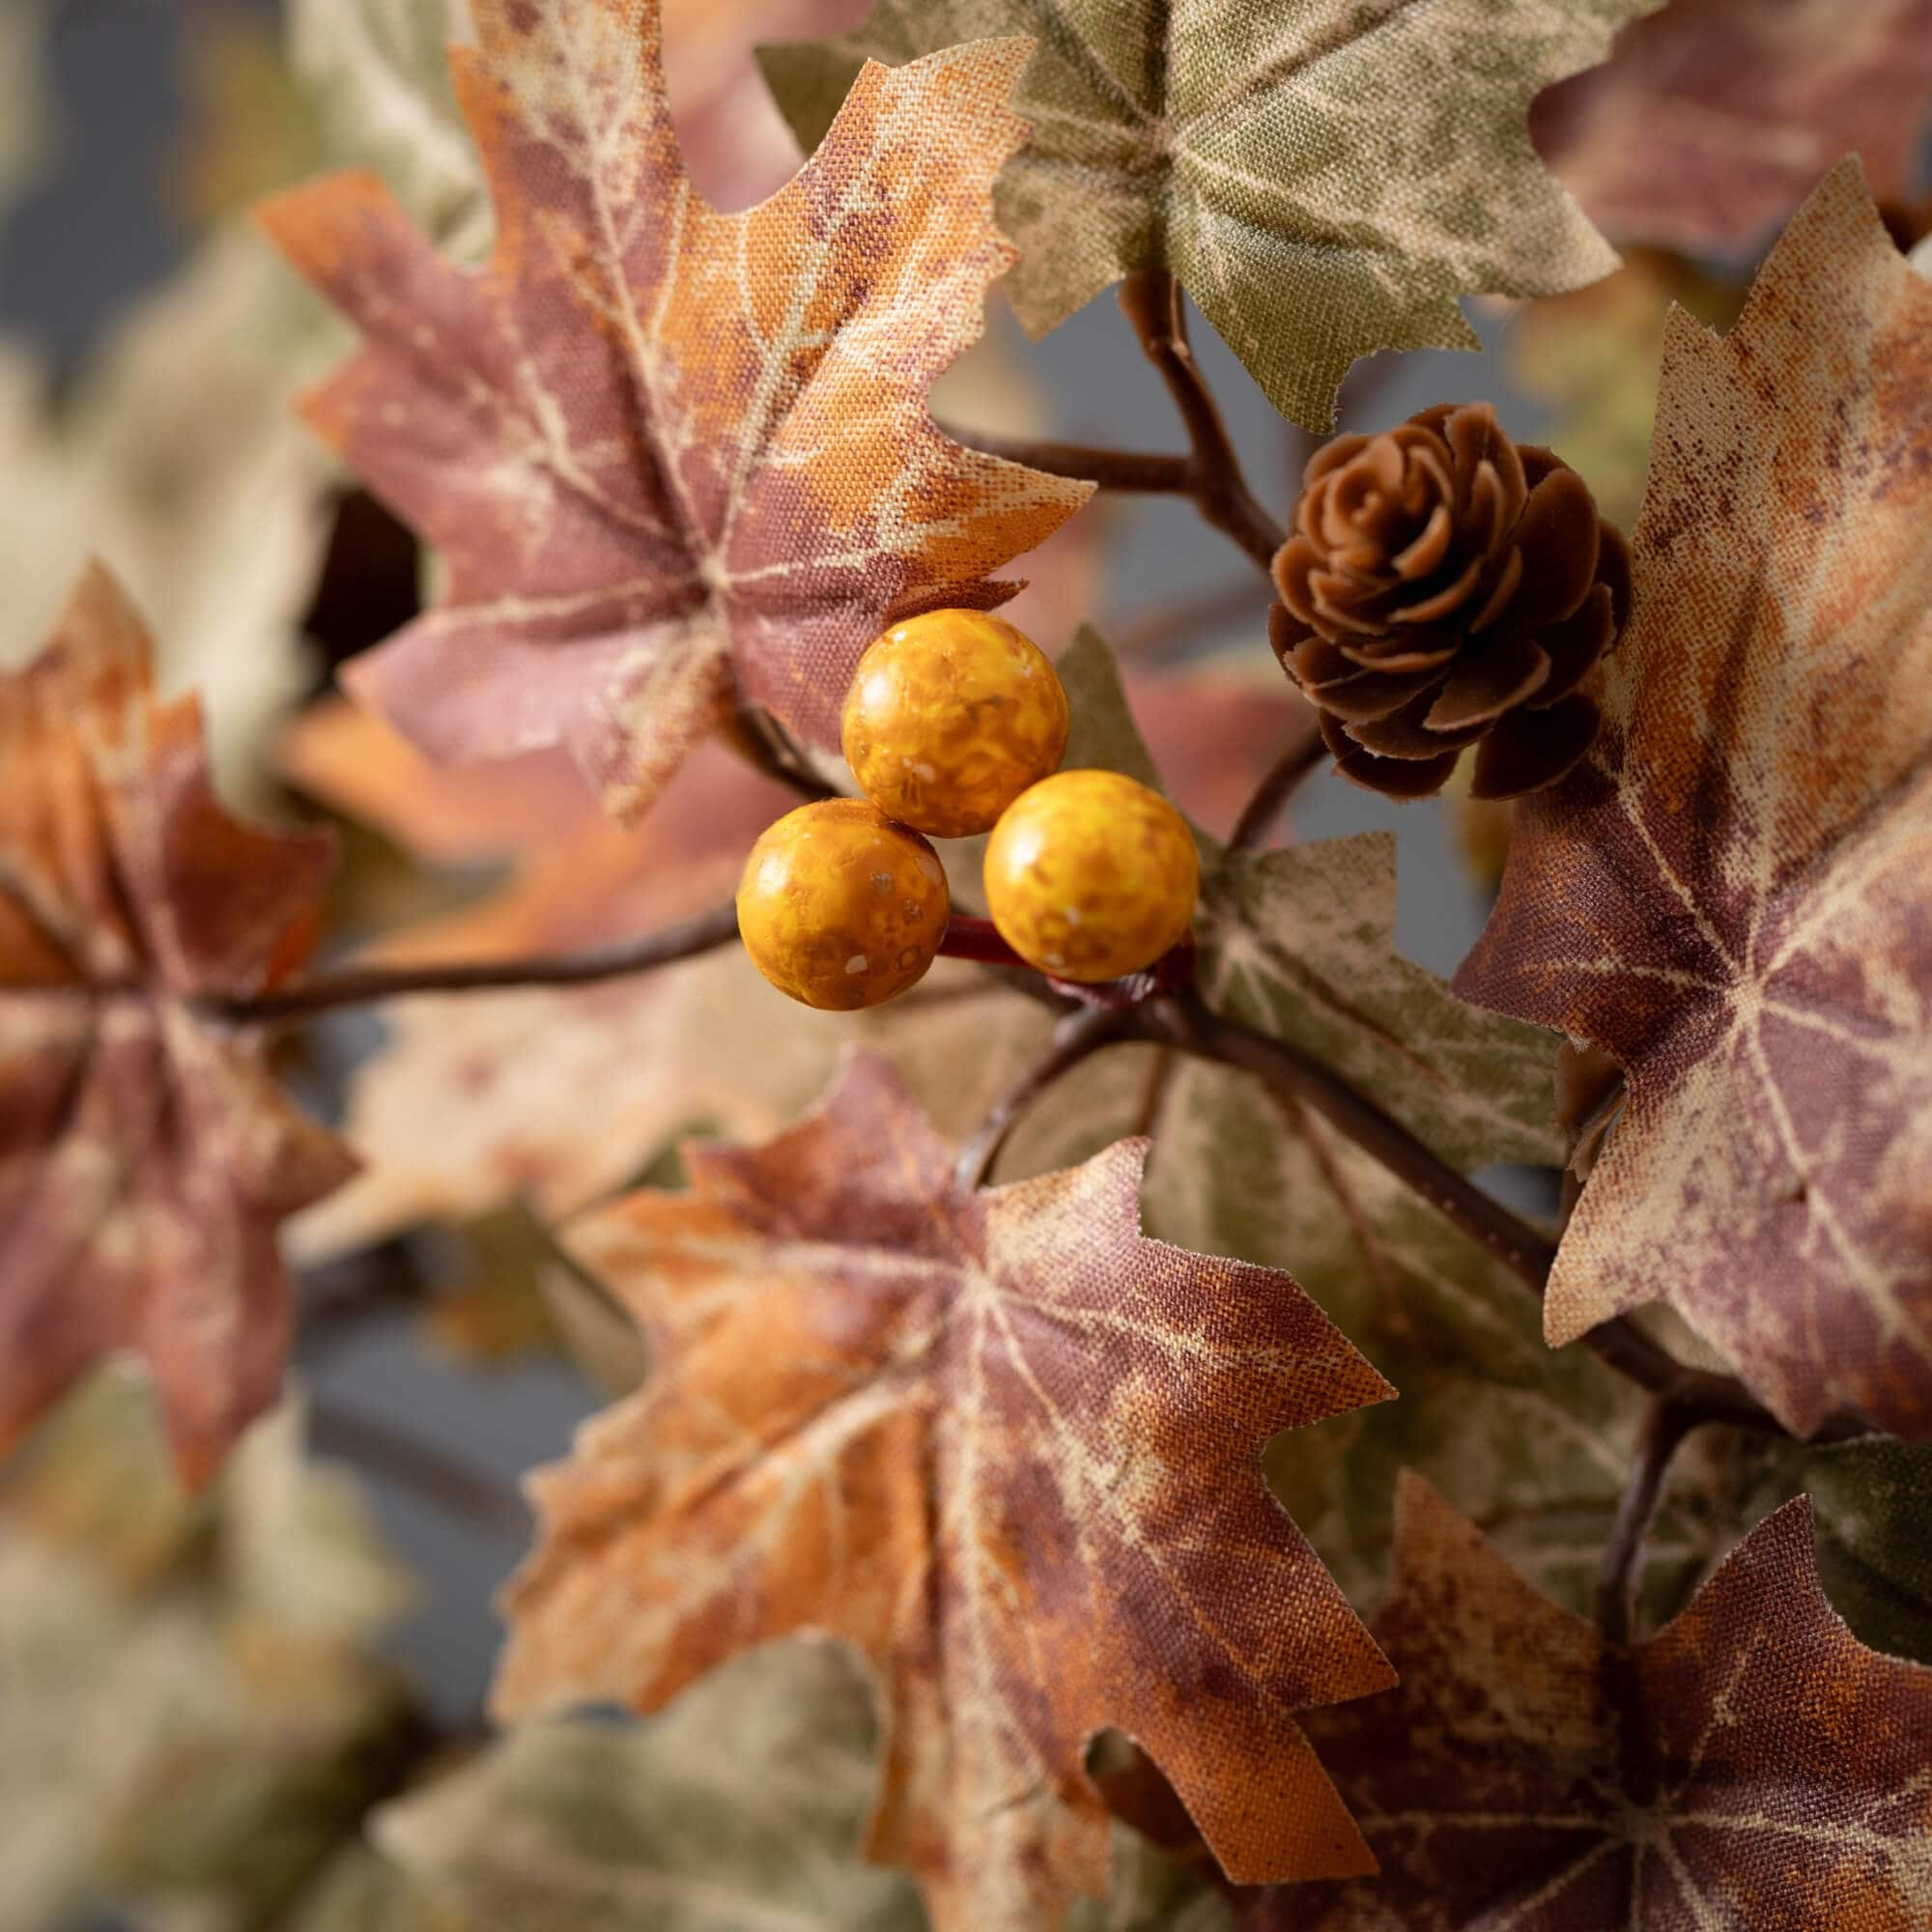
(1089, 875)
(949, 718)
(840, 907)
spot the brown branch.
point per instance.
(470, 1495)
(1132, 471)
(1080, 1034)
(1262, 812)
(1185, 1022)
(1210, 472)
(363, 985)
(767, 746)
(1666, 1422)
(1150, 301)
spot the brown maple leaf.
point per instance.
(1713, 119)
(145, 1156)
(1731, 894)
(1752, 1768)
(673, 459)
(1000, 1443)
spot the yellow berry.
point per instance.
(949, 718)
(840, 907)
(1089, 875)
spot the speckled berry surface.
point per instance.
(840, 907)
(949, 718)
(1089, 875)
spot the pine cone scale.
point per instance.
(1443, 583)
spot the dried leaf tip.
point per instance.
(1446, 587)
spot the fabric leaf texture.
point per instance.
(1727, 894)
(1000, 1443)
(1324, 178)
(673, 460)
(1751, 1766)
(146, 1158)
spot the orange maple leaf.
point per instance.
(1750, 1766)
(145, 1156)
(999, 1441)
(1728, 895)
(673, 459)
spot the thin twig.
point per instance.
(1150, 301)
(1078, 1037)
(470, 1495)
(1133, 471)
(363, 985)
(1262, 812)
(1666, 1422)
(1175, 629)
(767, 746)
(1184, 1021)
(1210, 472)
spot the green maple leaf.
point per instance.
(1324, 177)
(741, 1806)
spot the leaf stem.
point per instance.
(1130, 471)
(1185, 1022)
(363, 985)
(1080, 1034)
(1667, 1420)
(468, 1493)
(1150, 301)
(1210, 472)
(1262, 812)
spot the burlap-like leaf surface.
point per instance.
(1532, 1442)
(1730, 894)
(1751, 1766)
(146, 1158)
(1714, 119)
(671, 458)
(1003, 1444)
(1326, 178)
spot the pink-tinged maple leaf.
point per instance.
(146, 1158)
(1003, 1444)
(1752, 1768)
(673, 460)
(1733, 894)
(1713, 119)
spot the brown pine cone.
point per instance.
(1445, 586)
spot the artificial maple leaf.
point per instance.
(1729, 893)
(1324, 179)
(1713, 119)
(1001, 1444)
(672, 458)
(146, 1158)
(1752, 1766)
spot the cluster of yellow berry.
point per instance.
(956, 724)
